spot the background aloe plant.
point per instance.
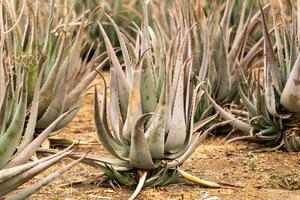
(22, 72)
(15, 153)
(272, 100)
(46, 44)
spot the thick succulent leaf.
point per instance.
(269, 90)
(123, 178)
(92, 160)
(30, 126)
(13, 171)
(155, 134)
(109, 143)
(178, 161)
(124, 49)
(207, 50)
(3, 104)
(115, 112)
(225, 80)
(279, 45)
(198, 137)
(290, 97)
(142, 179)
(269, 134)
(250, 107)
(25, 193)
(178, 130)
(228, 116)
(190, 130)
(140, 156)
(135, 105)
(123, 85)
(69, 117)
(14, 182)
(46, 92)
(56, 107)
(148, 92)
(200, 124)
(73, 60)
(24, 155)
(270, 56)
(104, 113)
(81, 86)
(10, 140)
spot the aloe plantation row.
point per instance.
(179, 71)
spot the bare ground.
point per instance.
(267, 176)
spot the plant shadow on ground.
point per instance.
(268, 175)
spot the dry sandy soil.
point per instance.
(267, 176)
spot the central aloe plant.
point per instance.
(150, 131)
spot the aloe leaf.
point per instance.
(187, 146)
(20, 179)
(135, 105)
(270, 56)
(225, 82)
(150, 182)
(190, 130)
(123, 85)
(124, 49)
(279, 45)
(115, 112)
(56, 107)
(269, 134)
(104, 112)
(92, 160)
(25, 193)
(198, 137)
(179, 160)
(25, 154)
(207, 48)
(250, 107)
(11, 138)
(69, 117)
(155, 134)
(3, 108)
(228, 116)
(177, 133)
(73, 59)
(290, 97)
(30, 126)
(200, 124)
(171, 177)
(142, 179)
(122, 178)
(81, 86)
(52, 76)
(109, 143)
(148, 93)
(140, 156)
(13, 171)
(269, 90)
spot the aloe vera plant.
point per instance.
(47, 44)
(151, 107)
(15, 169)
(19, 105)
(272, 100)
